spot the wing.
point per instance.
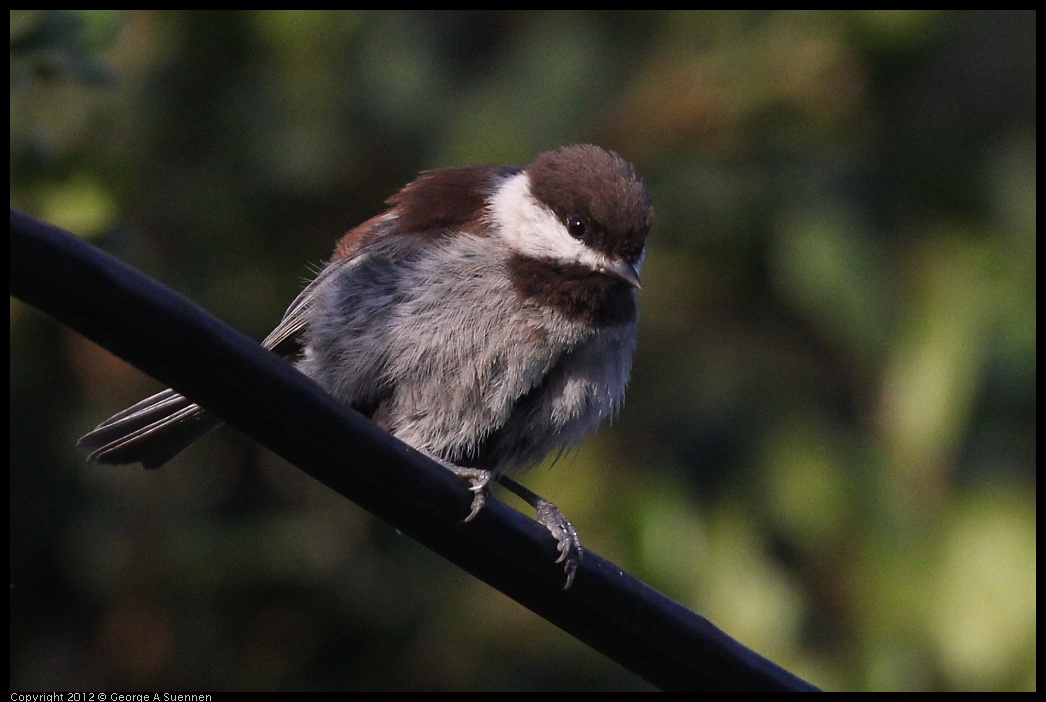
(158, 428)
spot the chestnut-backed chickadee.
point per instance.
(487, 318)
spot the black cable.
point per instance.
(255, 391)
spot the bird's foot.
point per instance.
(479, 481)
(568, 543)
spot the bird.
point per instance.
(487, 318)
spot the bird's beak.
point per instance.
(622, 270)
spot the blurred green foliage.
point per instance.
(829, 443)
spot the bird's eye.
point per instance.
(577, 227)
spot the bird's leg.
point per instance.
(568, 542)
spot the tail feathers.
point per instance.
(151, 432)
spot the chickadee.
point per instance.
(487, 318)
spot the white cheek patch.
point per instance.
(531, 229)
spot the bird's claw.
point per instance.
(479, 480)
(568, 543)
(479, 499)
